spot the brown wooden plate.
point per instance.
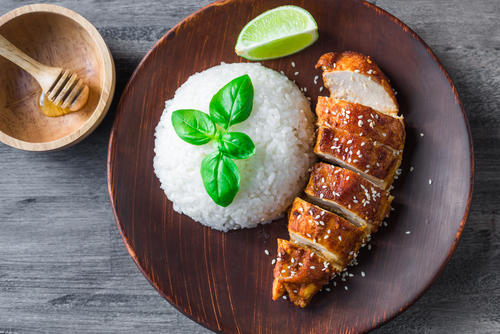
(223, 280)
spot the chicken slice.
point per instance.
(299, 272)
(364, 121)
(335, 238)
(348, 194)
(374, 161)
(354, 77)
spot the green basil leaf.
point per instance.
(221, 178)
(193, 126)
(233, 103)
(236, 145)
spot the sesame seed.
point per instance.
(340, 238)
(334, 283)
(411, 169)
(362, 274)
(356, 71)
(266, 251)
(430, 181)
(296, 73)
(363, 144)
(351, 275)
(360, 123)
(309, 237)
(321, 196)
(283, 271)
(349, 141)
(273, 261)
(320, 88)
(292, 260)
(313, 267)
(295, 291)
(284, 297)
(346, 288)
(408, 232)
(369, 246)
(421, 134)
(328, 289)
(329, 231)
(293, 64)
(326, 237)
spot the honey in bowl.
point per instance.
(50, 109)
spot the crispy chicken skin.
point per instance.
(354, 77)
(334, 237)
(299, 272)
(374, 161)
(349, 194)
(362, 120)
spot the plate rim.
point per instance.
(217, 3)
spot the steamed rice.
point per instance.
(280, 125)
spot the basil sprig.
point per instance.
(232, 104)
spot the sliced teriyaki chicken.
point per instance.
(300, 272)
(374, 161)
(348, 194)
(354, 77)
(363, 121)
(334, 237)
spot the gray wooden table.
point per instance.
(63, 267)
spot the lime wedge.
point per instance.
(277, 33)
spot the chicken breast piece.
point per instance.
(363, 121)
(300, 272)
(374, 161)
(335, 238)
(348, 194)
(354, 77)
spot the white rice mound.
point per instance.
(280, 125)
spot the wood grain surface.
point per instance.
(224, 283)
(63, 267)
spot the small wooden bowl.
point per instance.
(54, 36)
